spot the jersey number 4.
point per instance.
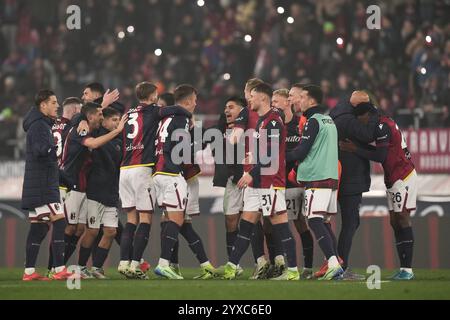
(162, 130)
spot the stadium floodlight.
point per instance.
(226, 76)
(200, 3)
(248, 38)
(130, 29)
(290, 20)
(280, 10)
(121, 35)
(423, 70)
(158, 52)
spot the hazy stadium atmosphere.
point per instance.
(397, 52)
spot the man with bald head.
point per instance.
(355, 178)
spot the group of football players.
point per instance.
(114, 159)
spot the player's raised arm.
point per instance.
(95, 143)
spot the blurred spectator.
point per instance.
(405, 64)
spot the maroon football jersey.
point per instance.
(60, 130)
(270, 137)
(398, 164)
(165, 142)
(247, 120)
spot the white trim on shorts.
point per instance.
(405, 191)
(43, 213)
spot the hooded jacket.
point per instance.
(41, 180)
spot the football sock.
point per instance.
(58, 244)
(163, 230)
(84, 256)
(119, 231)
(194, 241)
(270, 243)
(231, 239)
(322, 236)
(141, 241)
(71, 245)
(174, 257)
(126, 243)
(97, 240)
(257, 241)
(99, 257)
(242, 241)
(308, 249)
(169, 240)
(405, 245)
(283, 232)
(333, 237)
(36, 234)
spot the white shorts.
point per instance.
(99, 214)
(171, 192)
(193, 205)
(402, 195)
(320, 203)
(75, 206)
(294, 202)
(136, 189)
(233, 199)
(269, 201)
(43, 213)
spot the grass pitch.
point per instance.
(429, 284)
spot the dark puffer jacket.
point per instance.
(41, 180)
(355, 177)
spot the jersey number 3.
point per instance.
(132, 121)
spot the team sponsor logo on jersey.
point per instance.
(131, 147)
(293, 139)
(59, 126)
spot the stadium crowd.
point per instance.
(405, 63)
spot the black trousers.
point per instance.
(350, 205)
